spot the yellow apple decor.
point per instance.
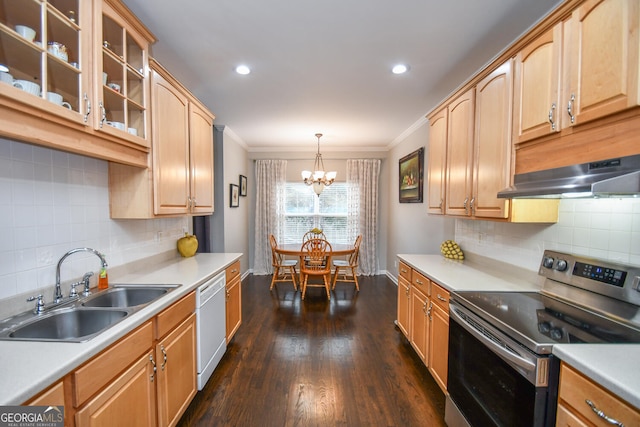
(187, 245)
(451, 249)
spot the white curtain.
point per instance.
(271, 178)
(362, 216)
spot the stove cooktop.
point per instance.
(538, 321)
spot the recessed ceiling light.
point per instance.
(243, 69)
(400, 69)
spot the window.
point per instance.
(304, 210)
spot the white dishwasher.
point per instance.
(211, 326)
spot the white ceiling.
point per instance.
(324, 65)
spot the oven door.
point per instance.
(492, 380)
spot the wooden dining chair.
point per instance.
(313, 234)
(315, 260)
(349, 267)
(284, 270)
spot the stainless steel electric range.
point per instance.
(501, 370)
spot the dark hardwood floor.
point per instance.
(318, 363)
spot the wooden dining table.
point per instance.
(293, 249)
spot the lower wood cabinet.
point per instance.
(233, 299)
(423, 317)
(419, 332)
(130, 399)
(581, 402)
(439, 335)
(176, 372)
(404, 305)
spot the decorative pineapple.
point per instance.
(451, 249)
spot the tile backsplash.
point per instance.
(601, 228)
(51, 202)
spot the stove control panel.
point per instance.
(600, 276)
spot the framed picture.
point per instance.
(410, 184)
(234, 196)
(243, 185)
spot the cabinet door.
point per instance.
(176, 378)
(130, 397)
(492, 148)
(201, 160)
(460, 154)
(233, 307)
(604, 51)
(537, 81)
(121, 75)
(51, 69)
(404, 304)
(437, 162)
(419, 324)
(170, 147)
(439, 345)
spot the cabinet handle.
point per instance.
(570, 108)
(602, 415)
(87, 102)
(466, 208)
(551, 114)
(429, 310)
(164, 355)
(228, 293)
(103, 114)
(424, 308)
(441, 298)
(419, 282)
(440, 205)
(153, 362)
(407, 292)
(473, 199)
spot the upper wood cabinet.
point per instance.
(437, 163)
(492, 149)
(536, 102)
(179, 180)
(56, 98)
(459, 172)
(582, 69)
(121, 50)
(602, 44)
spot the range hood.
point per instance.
(606, 178)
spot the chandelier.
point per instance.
(318, 178)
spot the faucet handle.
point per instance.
(39, 303)
(85, 280)
(73, 293)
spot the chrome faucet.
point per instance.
(57, 296)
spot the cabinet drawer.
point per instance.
(404, 270)
(232, 271)
(172, 316)
(100, 370)
(53, 396)
(575, 390)
(421, 282)
(440, 296)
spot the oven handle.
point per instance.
(499, 350)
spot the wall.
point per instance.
(51, 202)
(236, 220)
(600, 228)
(410, 229)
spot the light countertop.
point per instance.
(28, 367)
(614, 366)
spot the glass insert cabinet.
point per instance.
(79, 61)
